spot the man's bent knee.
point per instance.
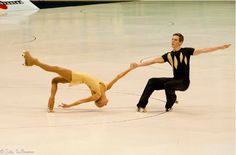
(151, 81)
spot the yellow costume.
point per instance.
(91, 82)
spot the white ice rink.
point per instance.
(103, 40)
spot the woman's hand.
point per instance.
(63, 105)
(133, 65)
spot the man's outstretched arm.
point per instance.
(211, 49)
(147, 62)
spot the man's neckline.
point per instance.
(177, 51)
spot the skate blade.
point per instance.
(141, 110)
(24, 64)
(24, 56)
(50, 111)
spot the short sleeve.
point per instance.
(189, 50)
(164, 56)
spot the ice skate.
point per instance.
(140, 109)
(168, 109)
(50, 111)
(51, 105)
(50, 108)
(29, 60)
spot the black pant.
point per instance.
(170, 85)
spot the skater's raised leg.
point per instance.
(63, 72)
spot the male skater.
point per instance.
(179, 59)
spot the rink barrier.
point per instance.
(16, 5)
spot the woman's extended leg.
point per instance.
(63, 72)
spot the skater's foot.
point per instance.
(168, 109)
(51, 104)
(50, 111)
(140, 109)
(29, 60)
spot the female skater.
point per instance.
(97, 87)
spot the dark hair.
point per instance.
(181, 37)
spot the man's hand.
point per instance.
(225, 46)
(64, 105)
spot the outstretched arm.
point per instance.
(133, 66)
(119, 76)
(94, 97)
(211, 49)
(147, 62)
